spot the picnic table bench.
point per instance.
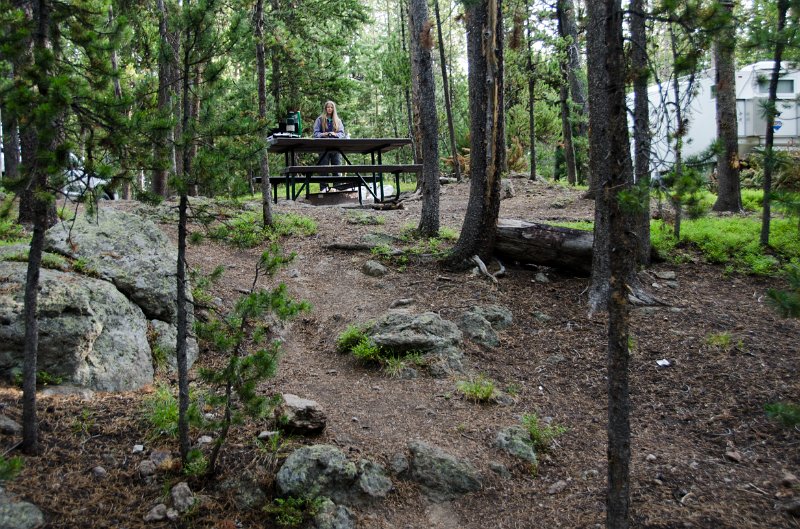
(298, 178)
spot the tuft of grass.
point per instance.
(349, 338)
(196, 463)
(787, 302)
(542, 436)
(752, 199)
(11, 232)
(10, 467)
(367, 351)
(448, 234)
(246, 230)
(291, 512)
(478, 389)
(723, 340)
(787, 413)
(365, 219)
(161, 412)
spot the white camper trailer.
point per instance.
(752, 90)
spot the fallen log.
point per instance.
(542, 244)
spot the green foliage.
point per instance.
(448, 234)
(83, 423)
(293, 512)
(246, 337)
(11, 232)
(349, 338)
(358, 217)
(583, 225)
(366, 350)
(10, 467)
(81, 265)
(161, 412)
(43, 378)
(478, 389)
(196, 463)
(732, 241)
(787, 413)
(201, 283)
(247, 231)
(752, 199)
(724, 341)
(787, 302)
(542, 436)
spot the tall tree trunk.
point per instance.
(161, 149)
(531, 93)
(568, 30)
(623, 258)
(124, 181)
(448, 105)
(263, 159)
(599, 152)
(566, 132)
(729, 197)
(416, 148)
(423, 86)
(484, 55)
(641, 122)
(769, 153)
(195, 109)
(680, 132)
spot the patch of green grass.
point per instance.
(291, 513)
(787, 413)
(43, 378)
(731, 241)
(359, 217)
(367, 351)
(448, 234)
(542, 436)
(752, 199)
(161, 412)
(478, 389)
(246, 230)
(583, 225)
(10, 467)
(723, 340)
(11, 232)
(82, 266)
(196, 463)
(787, 302)
(349, 338)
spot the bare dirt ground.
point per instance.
(707, 403)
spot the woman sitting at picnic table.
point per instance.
(328, 125)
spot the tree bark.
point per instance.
(769, 154)
(599, 152)
(545, 245)
(531, 93)
(425, 99)
(10, 142)
(729, 197)
(566, 132)
(568, 30)
(623, 259)
(448, 105)
(484, 55)
(641, 122)
(263, 159)
(161, 149)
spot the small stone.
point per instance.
(173, 515)
(541, 278)
(205, 440)
(374, 269)
(650, 458)
(734, 456)
(590, 474)
(789, 480)
(398, 464)
(182, 497)
(354, 419)
(792, 507)
(557, 487)
(499, 469)
(665, 274)
(138, 449)
(263, 436)
(99, 472)
(156, 514)
(401, 303)
(9, 426)
(147, 468)
(294, 273)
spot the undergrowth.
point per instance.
(246, 230)
(355, 340)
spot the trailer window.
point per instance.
(785, 86)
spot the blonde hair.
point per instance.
(337, 123)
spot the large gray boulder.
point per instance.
(89, 333)
(324, 471)
(427, 333)
(18, 514)
(443, 477)
(127, 250)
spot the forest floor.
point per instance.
(704, 454)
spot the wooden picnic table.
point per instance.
(298, 177)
